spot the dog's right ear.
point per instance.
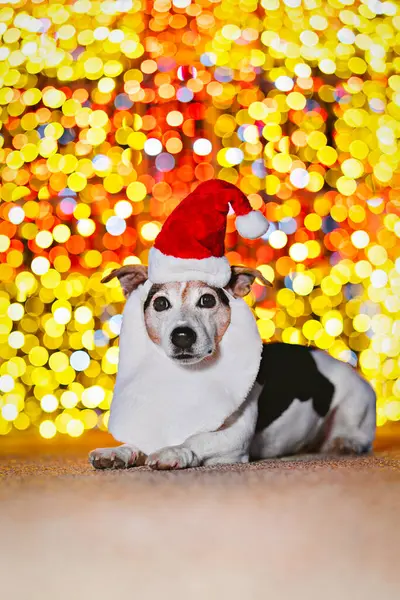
(130, 277)
(242, 278)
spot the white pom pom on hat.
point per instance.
(252, 226)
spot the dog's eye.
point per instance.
(207, 301)
(161, 303)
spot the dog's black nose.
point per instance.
(183, 337)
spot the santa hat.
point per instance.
(190, 245)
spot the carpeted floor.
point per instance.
(304, 528)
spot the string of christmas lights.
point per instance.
(113, 111)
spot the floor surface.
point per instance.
(304, 528)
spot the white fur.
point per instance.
(159, 403)
(214, 270)
(231, 444)
(353, 406)
(294, 429)
(253, 225)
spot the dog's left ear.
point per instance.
(242, 278)
(130, 277)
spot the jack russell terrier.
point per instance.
(196, 386)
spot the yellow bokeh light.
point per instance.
(362, 323)
(83, 315)
(334, 326)
(136, 191)
(311, 328)
(277, 239)
(149, 231)
(47, 429)
(298, 252)
(44, 239)
(266, 329)
(303, 284)
(75, 428)
(86, 227)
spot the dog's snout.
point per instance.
(183, 337)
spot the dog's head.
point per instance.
(188, 319)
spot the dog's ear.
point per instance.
(130, 277)
(242, 278)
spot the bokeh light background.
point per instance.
(113, 110)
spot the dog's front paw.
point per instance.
(175, 457)
(123, 457)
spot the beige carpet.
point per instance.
(289, 529)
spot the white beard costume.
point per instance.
(159, 403)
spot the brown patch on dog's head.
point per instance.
(223, 315)
(222, 311)
(151, 319)
(242, 278)
(130, 277)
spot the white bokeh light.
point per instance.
(284, 83)
(7, 383)
(181, 3)
(49, 403)
(101, 162)
(152, 146)
(346, 36)
(202, 147)
(379, 278)
(123, 209)
(116, 226)
(80, 360)
(9, 412)
(300, 178)
(16, 215)
(234, 156)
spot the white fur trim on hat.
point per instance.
(253, 225)
(215, 271)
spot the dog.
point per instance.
(302, 399)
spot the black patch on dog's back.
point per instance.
(152, 292)
(287, 372)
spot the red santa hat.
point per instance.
(190, 245)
